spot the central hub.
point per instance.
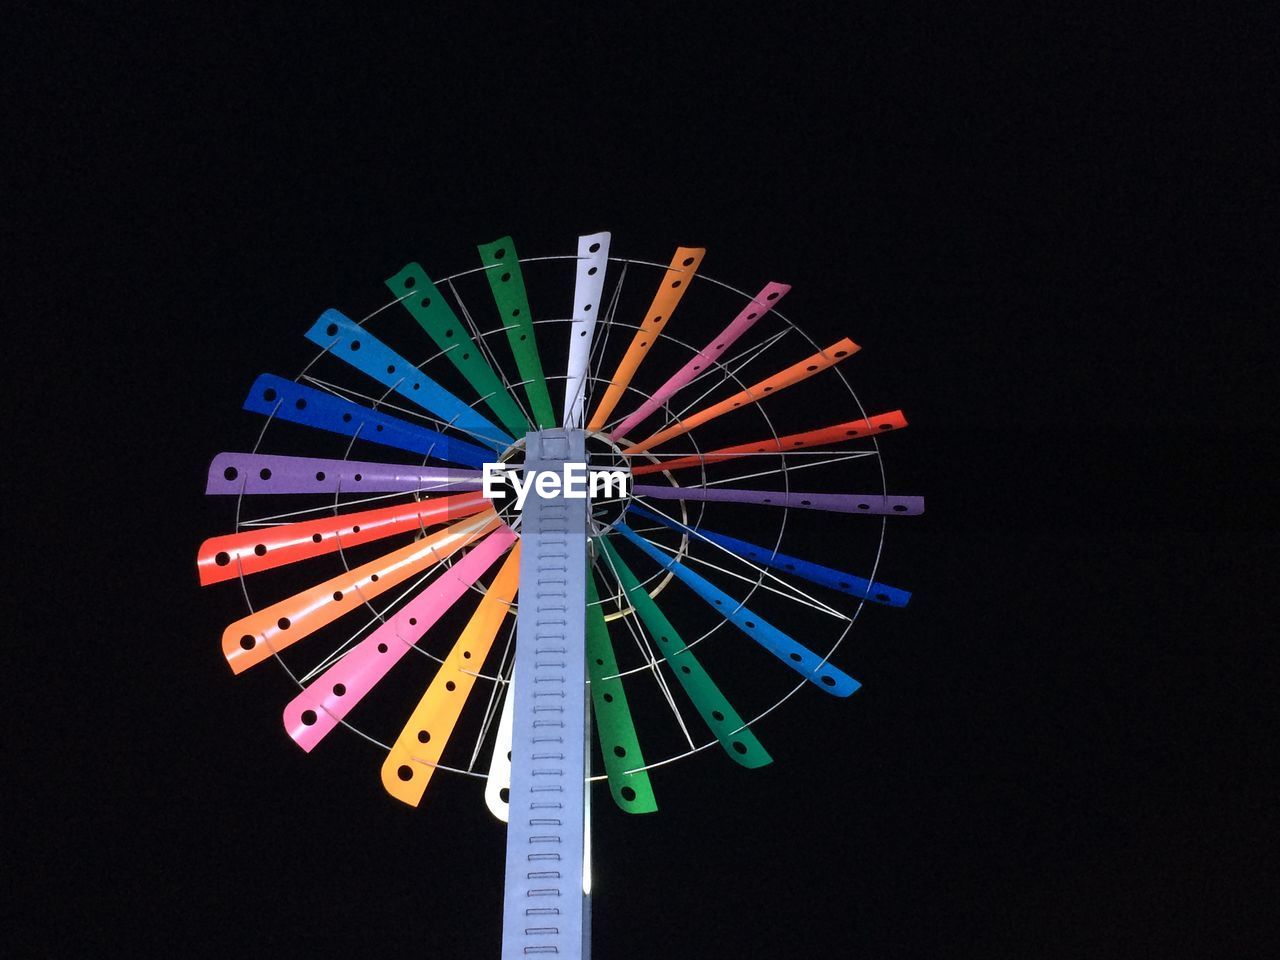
(604, 479)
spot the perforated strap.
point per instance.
(825, 676)
(263, 548)
(497, 783)
(792, 375)
(588, 290)
(619, 745)
(425, 303)
(421, 743)
(354, 345)
(839, 433)
(859, 587)
(506, 280)
(255, 473)
(737, 739)
(285, 400)
(254, 638)
(835, 502)
(331, 696)
(706, 358)
(677, 279)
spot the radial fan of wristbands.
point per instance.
(549, 501)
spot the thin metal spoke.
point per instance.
(713, 366)
(764, 572)
(438, 568)
(804, 599)
(336, 654)
(315, 360)
(727, 371)
(598, 347)
(350, 393)
(491, 708)
(713, 456)
(777, 470)
(385, 306)
(347, 393)
(642, 643)
(484, 348)
(328, 507)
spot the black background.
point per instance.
(1047, 231)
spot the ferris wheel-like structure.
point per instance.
(712, 583)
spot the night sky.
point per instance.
(1023, 217)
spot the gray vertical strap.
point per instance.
(543, 906)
